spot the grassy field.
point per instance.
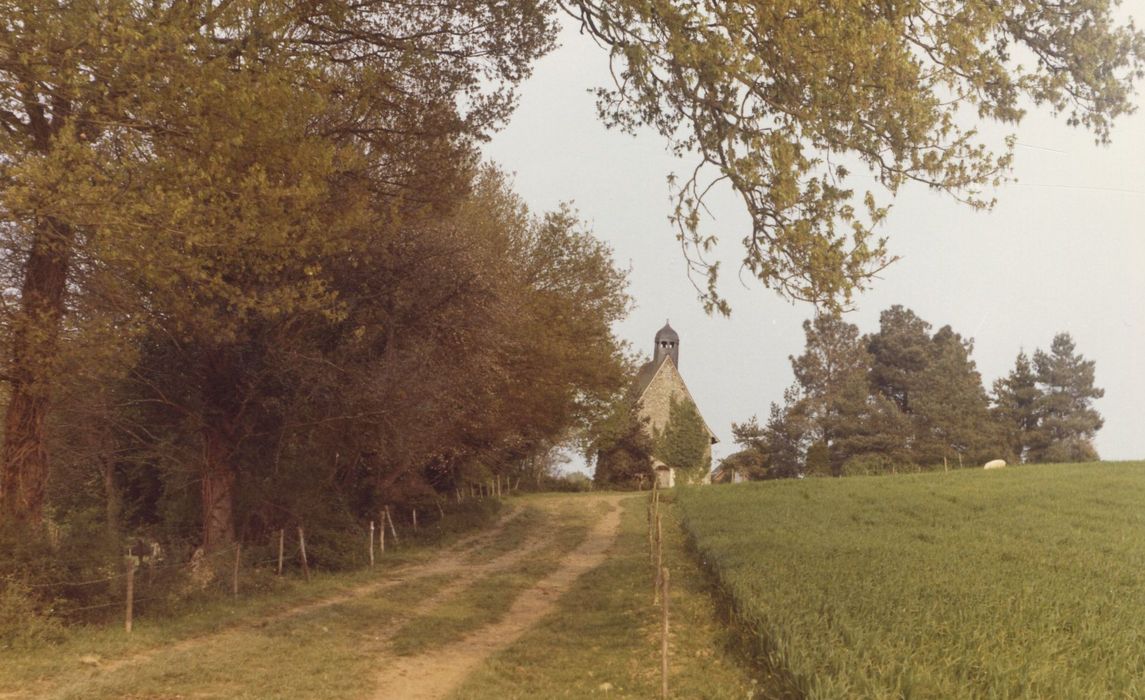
(1022, 582)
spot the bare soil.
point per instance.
(436, 673)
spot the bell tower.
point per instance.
(667, 344)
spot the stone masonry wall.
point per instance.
(657, 400)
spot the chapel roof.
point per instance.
(667, 333)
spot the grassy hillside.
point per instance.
(1022, 582)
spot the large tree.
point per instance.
(950, 408)
(900, 351)
(1067, 420)
(1016, 401)
(831, 379)
(622, 449)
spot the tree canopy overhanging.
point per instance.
(778, 99)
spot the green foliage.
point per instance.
(684, 442)
(1045, 407)
(624, 459)
(818, 460)
(832, 383)
(970, 584)
(769, 96)
(900, 399)
(900, 351)
(575, 482)
(745, 465)
(206, 178)
(23, 623)
(951, 409)
(1016, 398)
(1067, 421)
(778, 446)
(874, 463)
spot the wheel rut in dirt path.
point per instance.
(450, 560)
(436, 673)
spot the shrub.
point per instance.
(23, 622)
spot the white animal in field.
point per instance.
(994, 464)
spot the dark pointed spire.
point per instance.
(667, 343)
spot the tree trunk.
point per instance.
(35, 335)
(222, 391)
(218, 488)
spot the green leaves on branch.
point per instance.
(781, 100)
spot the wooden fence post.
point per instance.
(130, 612)
(393, 530)
(664, 634)
(281, 541)
(371, 543)
(659, 559)
(414, 519)
(302, 550)
(235, 577)
(381, 533)
(651, 535)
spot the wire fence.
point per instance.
(122, 571)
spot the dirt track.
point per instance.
(436, 673)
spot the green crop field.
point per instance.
(1021, 582)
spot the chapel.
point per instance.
(657, 383)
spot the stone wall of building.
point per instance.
(656, 402)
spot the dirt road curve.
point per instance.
(434, 674)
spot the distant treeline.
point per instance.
(905, 399)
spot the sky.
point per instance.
(1061, 251)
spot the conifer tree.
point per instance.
(785, 436)
(1016, 401)
(831, 381)
(900, 351)
(950, 408)
(936, 387)
(1067, 421)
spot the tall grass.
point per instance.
(1023, 582)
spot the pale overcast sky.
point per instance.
(1062, 251)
